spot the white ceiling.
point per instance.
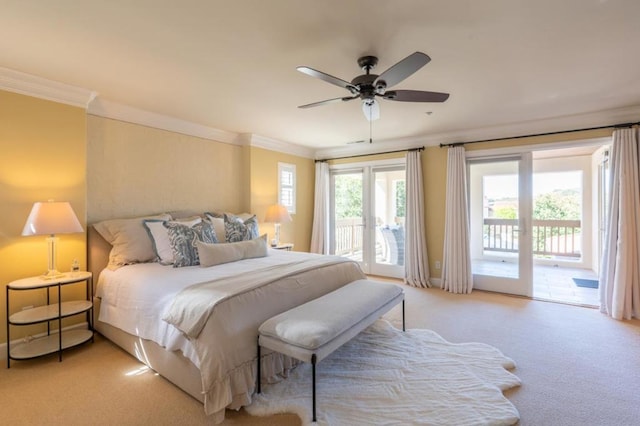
(509, 65)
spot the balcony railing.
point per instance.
(348, 236)
(550, 237)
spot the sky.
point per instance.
(506, 186)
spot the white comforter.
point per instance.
(136, 297)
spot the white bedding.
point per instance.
(136, 297)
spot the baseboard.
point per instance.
(436, 282)
(3, 346)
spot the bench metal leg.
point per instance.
(313, 381)
(258, 379)
(403, 315)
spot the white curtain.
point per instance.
(456, 260)
(320, 229)
(620, 273)
(416, 266)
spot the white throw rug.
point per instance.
(385, 376)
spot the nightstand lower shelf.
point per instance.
(50, 312)
(49, 344)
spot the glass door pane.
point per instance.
(498, 214)
(347, 215)
(389, 199)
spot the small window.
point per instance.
(287, 186)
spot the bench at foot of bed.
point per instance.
(312, 331)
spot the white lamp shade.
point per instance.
(277, 214)
(52, 218)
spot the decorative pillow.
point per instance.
(129, 240)
(216, 254)
(160, 236)
(217, 219)
(183, 241)
(237, 230)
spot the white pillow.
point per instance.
(129, 240)
(216, 254)
(218, 227)
(160, 236)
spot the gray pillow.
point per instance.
(238, 230)
(159, 235)
(216, 254)
(183, 241)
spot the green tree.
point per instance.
(505, 212)
(348, 196)
(557, 205)
(401, 198)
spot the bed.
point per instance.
(216, 365)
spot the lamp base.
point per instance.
(276, 239)
(52, 271)
(51, 274)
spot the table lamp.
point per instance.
(51, 218)
(277, 214)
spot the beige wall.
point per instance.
(263, 166)
(43, 150)
(135, 170)
(434, 176)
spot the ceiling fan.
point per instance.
(367, 86)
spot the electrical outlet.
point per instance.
(437, 264)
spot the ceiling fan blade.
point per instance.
(328, 101)
(328, 78)
(415, 96)
(403, 69)
(371, 109)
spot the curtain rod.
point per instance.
(613, 126)
(373, 153)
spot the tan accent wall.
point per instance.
(263, 166)
(135, 170)
(43, 151)
(434, 176)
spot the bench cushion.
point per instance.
(322, 321)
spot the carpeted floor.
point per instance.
(577, 366)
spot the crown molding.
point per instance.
(117, 111)
(550, 125)
(280, 146)
(38, 87)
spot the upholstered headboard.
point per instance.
(97, 253)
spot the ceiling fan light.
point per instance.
(371, 109)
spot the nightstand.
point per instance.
(283, 246)
(56, 340)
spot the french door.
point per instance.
(367, 215)
(500, 205)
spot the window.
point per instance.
(287, 186)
